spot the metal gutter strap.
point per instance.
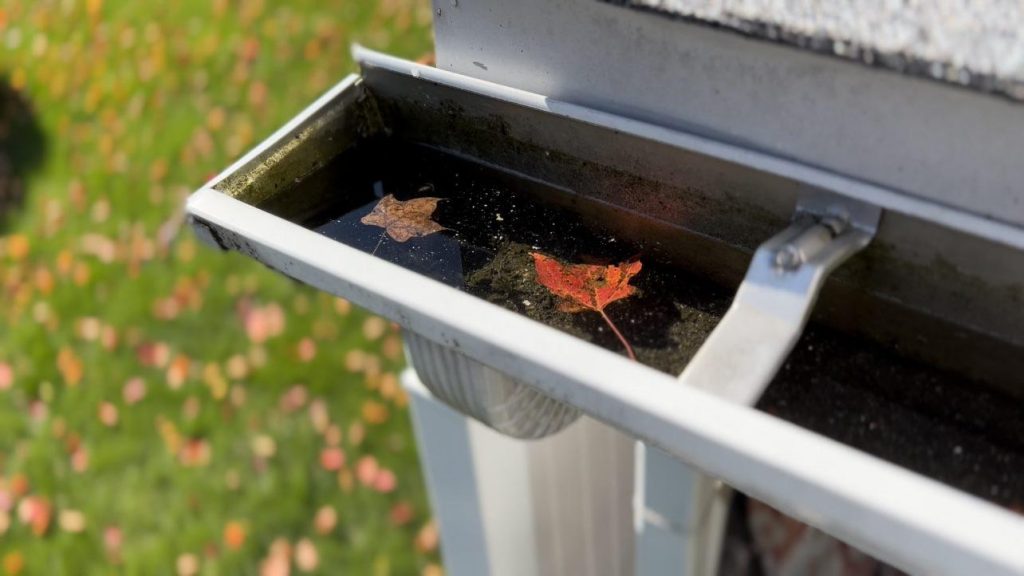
(774, 301)
(745, 351)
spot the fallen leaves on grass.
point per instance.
(161, 377)
(588, 287)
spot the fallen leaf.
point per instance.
(306, 556)
(194, 453)
(178, 371)
(346, 481)
(113, 538)
(366, 470)
(237, 367)
(294, 398)
(392, 347)
(72, 521)
(401, 513)
(332, 459)
(80, 460)
(325, 520)
(374, 412)
(275, 565)
(234, 535)
(404, 220)
(374, 327)
(70, 366)
(385, 482)
(6, 376)
(14, 563)
(17, 246)
(187, 565)
(356, 433)
(19, 485)
(134, 391)
(319, 416)
(108, 414)
(153, 354)
(588, 286)
(427, 538)
(355, 360)
(36, 512)
(342, 306)
(306, 349)
(263, 446)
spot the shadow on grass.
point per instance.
(22, 148)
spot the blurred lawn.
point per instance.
(165, 409)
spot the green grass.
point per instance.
(133, 105)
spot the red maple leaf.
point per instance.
(588, 287)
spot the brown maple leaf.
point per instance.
(588, 287)
(404, 220)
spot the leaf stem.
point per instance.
(379, 240)
(629, 349)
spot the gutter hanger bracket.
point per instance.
(771, 308)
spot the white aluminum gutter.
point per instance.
(913, 522)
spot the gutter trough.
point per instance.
(875, 273)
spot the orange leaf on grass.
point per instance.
(404, 220)
(325, 520)
(332, 459)
(234, 535)
(36, 512)
(306, 556)
(588, 287)
(6, 376)
(113, 538)
(14, 563)
(401, 513)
